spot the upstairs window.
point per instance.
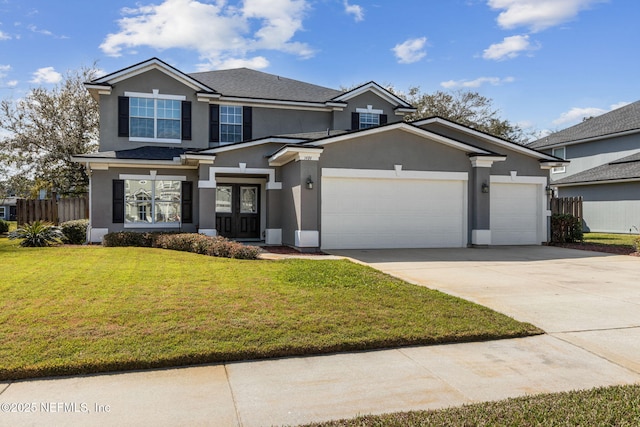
(365, 118)
(154, 117)
(369, 120)
(560, 152)
(230, 124)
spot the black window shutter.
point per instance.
(247, 123)
(214, 123)
(355, 121)
(187, 202)
(383, 119)
(123, 116)
(186, 120)
(118, 201)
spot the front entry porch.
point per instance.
(238, 211)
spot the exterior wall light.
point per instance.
(309, 183)
(485, 187)
(548, 190)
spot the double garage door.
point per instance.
(361, 212)
(414, 212)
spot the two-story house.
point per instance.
(250, 155)
(604, 168)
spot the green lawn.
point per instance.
(82, 309)
(606, 406)
(611, 239)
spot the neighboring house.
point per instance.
(8, 208)
(250, 155)
(604, 168)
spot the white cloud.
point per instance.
(256, 63)
(494, 81)
(537, 15)
(12, 83)
(219, 32)
(509, 48)
(576, 114)
(411, 50)
(355, 10)
(46, 75)
(4, 36)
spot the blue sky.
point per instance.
(545, 63)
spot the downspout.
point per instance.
(88, 167)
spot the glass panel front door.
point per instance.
(238, 211)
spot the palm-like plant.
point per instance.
(37, 234)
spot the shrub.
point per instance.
(205, 245)
(128, 238)
(4, 226)
(37, 234)
(74, 232)
(566, 228)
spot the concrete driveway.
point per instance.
(589, 299)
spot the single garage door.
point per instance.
(515, 214)
(366, 213)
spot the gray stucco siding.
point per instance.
(256, 156)
(384, 150)
(342, 119)
(608, 208)
(290, 199)
(146, 83)
(276, 121)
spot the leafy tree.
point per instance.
(45, 128)
(464, 107)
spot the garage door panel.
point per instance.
(515, 214)
(392, 213)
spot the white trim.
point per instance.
(155, 95)
(480, 237)
(394, 174)
(273, 236)
(155, 225)
(590, 139)
(153, 177)
(376, 89)
(211, 232)
(369, 110)
(307, 238)
(158, 140)
(503, 143)
(587, 183)
(403, 127)
(211, 182)
(240, 145)
(289, 154)
(485, 161)
(505, 179)
(152, 64)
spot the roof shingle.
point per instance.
(620, 169)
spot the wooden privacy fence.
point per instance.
(52, 210)
(567, 205)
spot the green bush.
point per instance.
(128, 238)
(205, 245)
(37, 234)
(566, 228)
(74, 232)
(4, 226)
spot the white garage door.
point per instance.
(515, 214)
(361, 213)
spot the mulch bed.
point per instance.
(595, 247)
(286, 250)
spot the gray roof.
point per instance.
(621, 169)
(142, 153)
(246, 83)
(622, 119)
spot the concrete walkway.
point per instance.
(588, 303)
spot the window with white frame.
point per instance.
(154, 117)
(368, 120)
(560, 152)
(152, 201)
(230, 124)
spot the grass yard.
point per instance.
(83, 309)
(611, 239)
(606, 406)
